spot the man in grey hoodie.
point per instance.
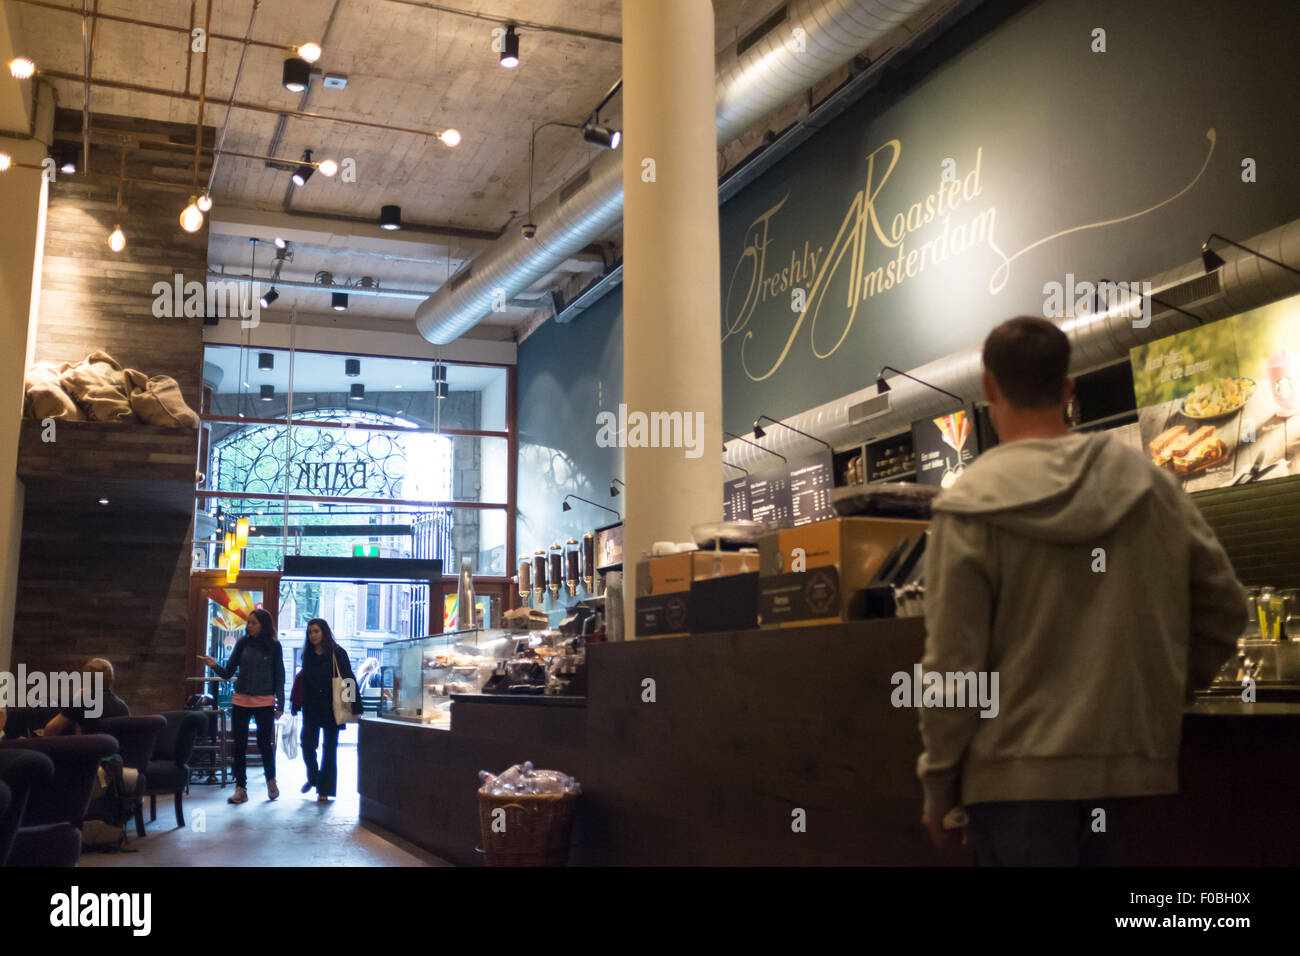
(1085, 578)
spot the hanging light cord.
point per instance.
(230, 104)
(121, 178)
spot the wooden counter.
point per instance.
(748, 728)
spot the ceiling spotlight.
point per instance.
(602, 136)
(390, 217)
(328, 167)
(441, 390)
(310, 52)
(265, 361)
(450, 137)
(280, 243)
(758, 430)
(117, 239)
(1209, 257)
(304, 170)
(440, 373)
(881, 385)
(265, 302)
(510, 49)
(339, 301)
(21, 68)
(358, 391)
(267, 392)
(205, 202)
(192, 216)
(103, 501)
(5, 161)
(67, 159)
(352, 368)
(565, 506)
(296, 75)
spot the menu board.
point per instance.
(890, 458)
(811, 481)
(735, 500)
(769, 498)
(1220, 404)
(944, 447)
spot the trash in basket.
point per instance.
(526, 816)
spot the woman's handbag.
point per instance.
(344, 691)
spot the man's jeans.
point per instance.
(1052, 832)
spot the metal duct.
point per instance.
(1242, 283)
(819, 37)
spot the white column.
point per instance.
(672, 354)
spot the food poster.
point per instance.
(944, 447)
(1218, 405)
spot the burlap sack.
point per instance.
(158, 401)
(45, 397)
(97, 385)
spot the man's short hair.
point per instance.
(101, 666)
(1029, 358)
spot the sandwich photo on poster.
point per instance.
(944, 447)
(1217, 405)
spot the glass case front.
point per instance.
(420, 674)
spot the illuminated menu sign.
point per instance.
(944, 447)
(811, 482)
(769, 499)
(735, 500)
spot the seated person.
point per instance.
(74, 719)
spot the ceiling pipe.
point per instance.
(267, 282)
(134, 21)
(765, 77)
(237, 104)
(1242, 283)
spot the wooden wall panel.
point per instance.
(113, 581)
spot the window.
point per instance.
(372, 607)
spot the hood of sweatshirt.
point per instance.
(1063, 490)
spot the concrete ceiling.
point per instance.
(407, 64)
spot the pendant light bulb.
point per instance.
(328, 167)
(205, 203)
(192, 216)
(310, 52)
(21, 68)
(450, 137)
(117, 239)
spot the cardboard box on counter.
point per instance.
(664, 586)
(839, 558)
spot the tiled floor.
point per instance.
(292, 831)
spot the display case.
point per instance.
(420, 674)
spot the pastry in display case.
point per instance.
(421, 673)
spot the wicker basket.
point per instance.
(538, 828)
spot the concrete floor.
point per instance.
(292, 831)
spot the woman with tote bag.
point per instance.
(329, 699)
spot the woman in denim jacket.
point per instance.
(258, 668)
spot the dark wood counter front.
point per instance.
(749, 731)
